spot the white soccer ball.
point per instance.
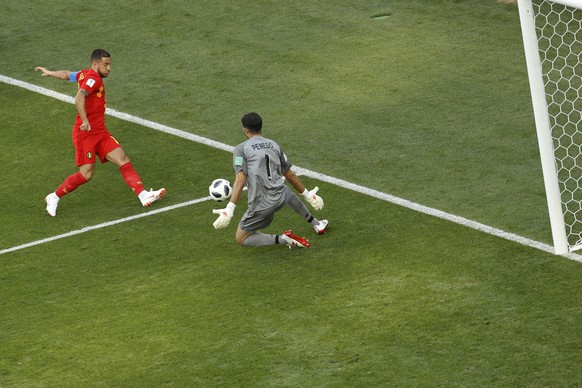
(220, 190)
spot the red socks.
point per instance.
(70, 184)
(129, 175)
(131, 178)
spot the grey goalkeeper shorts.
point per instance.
(252, 221)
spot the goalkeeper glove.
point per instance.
(313, 199)
(225, 216)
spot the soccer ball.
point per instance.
(220, 190)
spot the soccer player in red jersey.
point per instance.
(90, 136)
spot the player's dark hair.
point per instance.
(98, 54)
(253, 122)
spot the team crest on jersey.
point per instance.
(89, 155)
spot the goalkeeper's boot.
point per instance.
(295, 241)
(52, 201)
(321, 228)
(149, 197)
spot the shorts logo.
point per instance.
(89, 155)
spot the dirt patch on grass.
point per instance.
(507, 1)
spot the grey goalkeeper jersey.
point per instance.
(263, 162)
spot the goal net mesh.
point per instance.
(559, 34)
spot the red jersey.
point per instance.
(90, 81)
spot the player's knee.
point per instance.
(87, 174)
(117, 157)
(241, 239)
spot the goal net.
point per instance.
(552, 34)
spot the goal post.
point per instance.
(552, 37)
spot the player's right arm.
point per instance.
(80, 104)
(237, 187)
(65, 75)
(226, 214)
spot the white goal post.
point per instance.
(552, 37)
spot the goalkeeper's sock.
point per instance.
(131, 178)
(260, 239)
(70, 184)
(299, 207)
(312, 221)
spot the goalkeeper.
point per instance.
(261, 165)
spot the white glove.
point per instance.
(313, 199)
(225, 216)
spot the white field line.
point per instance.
(301, 171)
(103, 225)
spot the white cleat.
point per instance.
(149, 197)
(321, 228)
(52, 201)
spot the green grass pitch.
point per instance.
(429, 103)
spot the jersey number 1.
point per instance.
(268, 163)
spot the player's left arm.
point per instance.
(291, 177)
(294, 181)
(310, 196)
(65, 75)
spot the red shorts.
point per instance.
(89, 145)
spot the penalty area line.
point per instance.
(103, 225)
(120, 115)
(309, 173)
(435, 213)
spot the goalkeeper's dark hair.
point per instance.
(253, 122)
(99, 54)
